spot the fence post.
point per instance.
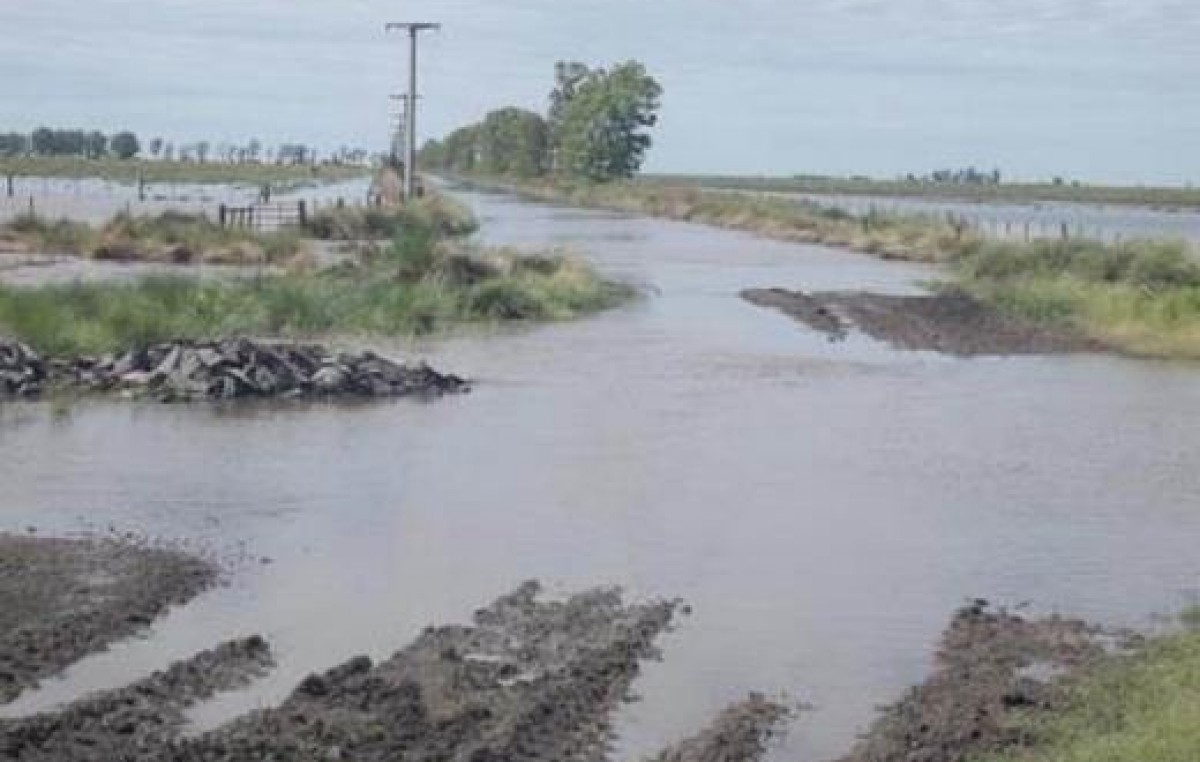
(10, 185)
(301, 213)
(221, 215)
(32, 210)
(1066, 232)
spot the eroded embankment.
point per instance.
(951, 322)
(990, 666)
(237, 368)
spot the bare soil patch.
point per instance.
(952, 322)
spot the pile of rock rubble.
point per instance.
(223, 370)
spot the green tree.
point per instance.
(601, 134)
(513, 141)
(95, 144)
(125, 145)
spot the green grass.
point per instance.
(416, 285)
(279, 177)
(1143, 707)
(434, 212)
(166, 237)
(1141, 297)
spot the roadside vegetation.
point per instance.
(421, 281)
(434, 212)
(1142, 707)
(1141, 297)
(596, 129)
(169, 237)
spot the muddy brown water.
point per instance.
(823, 507)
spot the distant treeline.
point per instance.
(595, 129)
(124, 145)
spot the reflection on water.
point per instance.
(823, 507)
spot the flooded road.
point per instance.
(823, 507)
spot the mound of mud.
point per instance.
(225, 370)
(529, 679)
(952, 323)
(990, 664)
(61, 600)
(740, 734)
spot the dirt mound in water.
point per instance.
(61, 600)
(740, 734)
(529, 679)
(233, 369)
(952, 322)
(990, 664)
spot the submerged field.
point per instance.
(1165, 197)
(129, 171)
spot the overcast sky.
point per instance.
(1094, 89)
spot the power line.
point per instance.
(410, 163)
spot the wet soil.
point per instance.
(528, 679)
(742, 733)
(951, 322)
(61, 600)
(990, 664)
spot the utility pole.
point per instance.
(400, 142)
(410, 162)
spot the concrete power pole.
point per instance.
(402, 122)
(410, 160)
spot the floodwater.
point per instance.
(1039, 219)
(823, 507)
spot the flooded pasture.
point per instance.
(822, 507)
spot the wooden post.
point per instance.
(1066, 232)
(341, 203)
(10, 185)
(301, 213)
(221, 212)
(32, 210)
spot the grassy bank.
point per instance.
(281, 177)
(1143, 707)
(1018, 193)
(417, 284)
(172, 237)
(1138, 297)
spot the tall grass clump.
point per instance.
(53, 236)
(1143, 707)
(434, 212)
(417, 284)
(170, 236)
(1142, 297)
